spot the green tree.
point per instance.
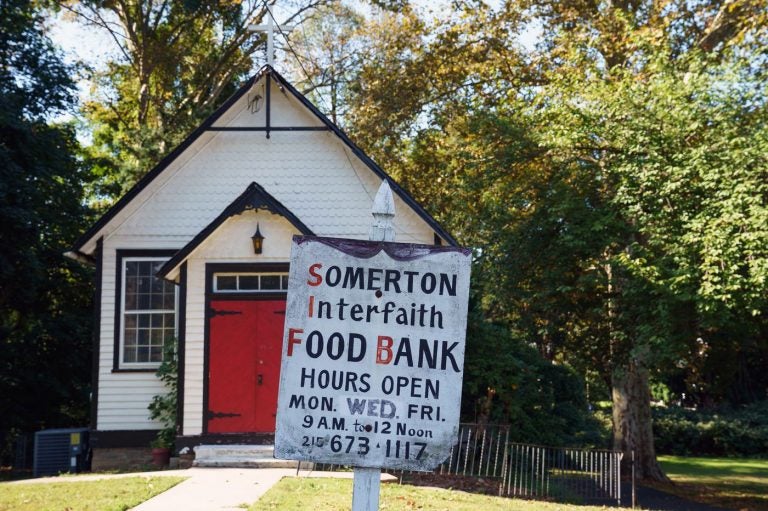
(45, 299)
(679, 148)
(328, 51)
(178, 61)
(539, 159)
(506, 381)
(417, 74)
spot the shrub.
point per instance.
(739, 431)
(508, 382)
(163, 407)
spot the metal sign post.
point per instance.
(373, 353)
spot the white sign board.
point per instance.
(373, 353)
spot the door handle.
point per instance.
(260, 380)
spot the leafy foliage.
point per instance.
(691, 193)
(739, 431)
(164, 407)
(327, 58)
(45, 299)
(179, 60)
(508, 382)
(604, 177)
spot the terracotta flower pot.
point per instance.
(161, 456)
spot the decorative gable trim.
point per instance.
(164, 163)
(405, 196)
(207, 125)
(255, 197)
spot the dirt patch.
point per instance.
(471, 484)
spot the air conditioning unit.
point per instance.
(61, 450)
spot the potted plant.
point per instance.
(163, 407)
(162, 446)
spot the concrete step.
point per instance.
(240, 456)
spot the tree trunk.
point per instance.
(632, 426)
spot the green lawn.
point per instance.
(116, 494)
(336, 495)
(736, 483)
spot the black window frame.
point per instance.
(120, 256)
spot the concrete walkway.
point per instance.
(215, 489)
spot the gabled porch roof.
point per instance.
(255, 197)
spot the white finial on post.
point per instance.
(270, 27)
(383, 211)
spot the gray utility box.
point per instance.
(61, 450)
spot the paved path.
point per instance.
(209, 489)
(657, 500)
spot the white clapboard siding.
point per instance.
(314, 174)
(286, 111)
(194, 353)
(310, 173)
(122, 397)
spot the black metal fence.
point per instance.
(531, 471)
(16, 451)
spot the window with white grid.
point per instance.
(148, 312)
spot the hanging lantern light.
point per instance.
(258, 241)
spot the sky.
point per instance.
(79, 42)
(93, 47)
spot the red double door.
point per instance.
(245, 338)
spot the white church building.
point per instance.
(198, 251)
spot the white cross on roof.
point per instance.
(270, 28)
